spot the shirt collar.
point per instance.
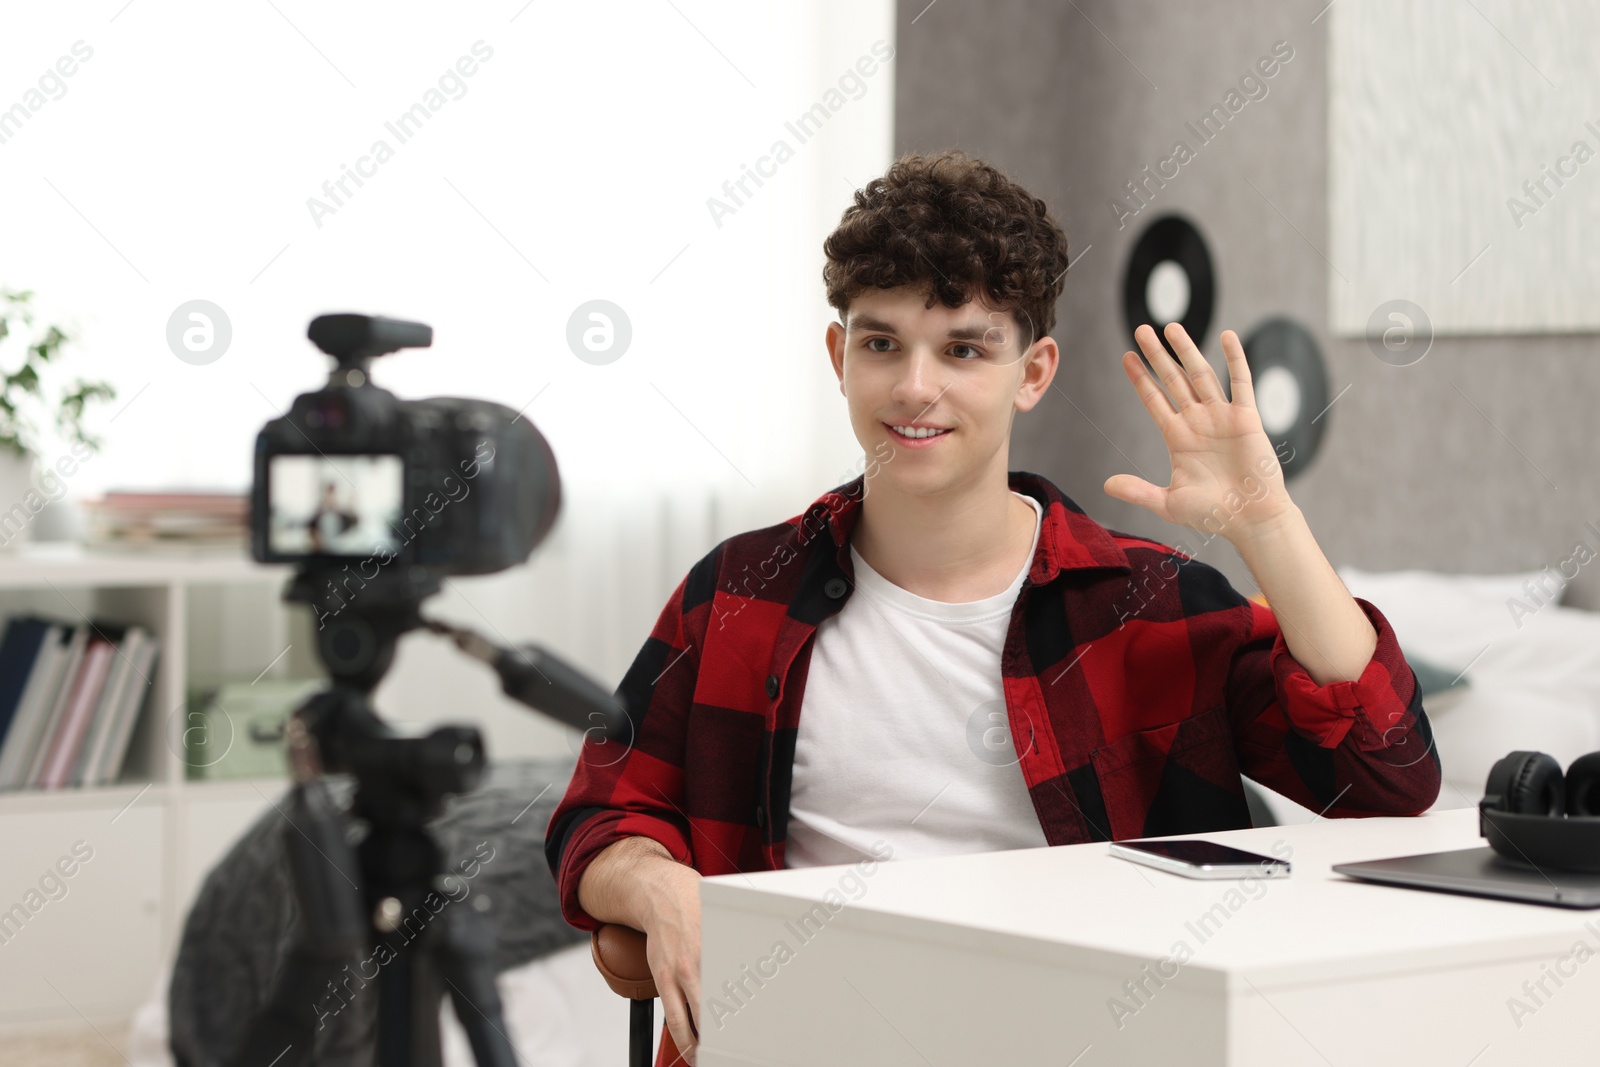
(1068, 538)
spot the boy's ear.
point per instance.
(834, 337)
(1039, 368)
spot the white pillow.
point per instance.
(1534, 683)
(1473, 726)
(1448, 619)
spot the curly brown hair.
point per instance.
(959, 227)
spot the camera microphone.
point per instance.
(353, 339)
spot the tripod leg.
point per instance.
(465, 953)
(408, 1009)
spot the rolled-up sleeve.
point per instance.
(1348, 748)
(1372, 705)
(635, 787)
(591, 831)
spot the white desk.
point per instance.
(1012, 958)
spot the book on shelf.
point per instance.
(70, 695)
(20, 649)
(34, 747)
(74, 723)
(168, 519)
(124, 672)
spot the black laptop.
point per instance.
(1480, 872)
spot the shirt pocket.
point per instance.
(1178, 778)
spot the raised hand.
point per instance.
(1225, 474)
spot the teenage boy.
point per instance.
(945, 656)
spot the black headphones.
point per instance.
(1534, 816)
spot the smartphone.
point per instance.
(1194, 858)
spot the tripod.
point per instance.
(391, 894)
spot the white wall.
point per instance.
(1464, 166)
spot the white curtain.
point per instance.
(185, 158)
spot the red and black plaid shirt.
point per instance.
(1139, 683)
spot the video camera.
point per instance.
(358, 486)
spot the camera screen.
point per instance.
(334, 505)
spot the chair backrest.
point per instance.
(619, 953)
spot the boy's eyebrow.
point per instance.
(960, 333)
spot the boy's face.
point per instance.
(960, 369)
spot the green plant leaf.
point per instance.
(26, 379)
(47, 348)
(20, 422)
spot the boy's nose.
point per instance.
(921, 378)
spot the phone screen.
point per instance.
(1200, 853)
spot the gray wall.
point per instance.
(1480, 458)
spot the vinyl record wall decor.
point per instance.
(1170, 279)
(1290, 384)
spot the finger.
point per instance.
(1137, 491)
(694, 1002)
(677, 1013)
(1150, 394)
(1239, 381)
(1167, 369)
(1201, 377)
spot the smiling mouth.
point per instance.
(925, 435)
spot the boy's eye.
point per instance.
(963, 352)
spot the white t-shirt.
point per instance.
(903, 733)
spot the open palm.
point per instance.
(1224, 468)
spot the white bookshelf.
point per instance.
(97, 951)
